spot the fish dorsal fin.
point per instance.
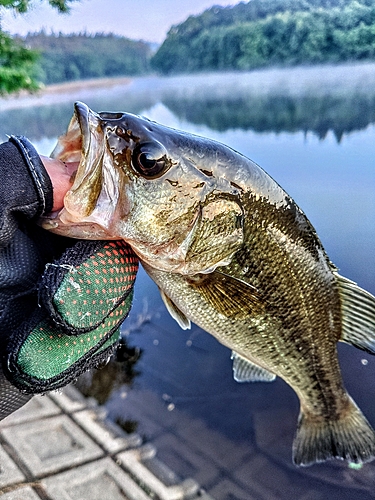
(358, 315)
(247, 371)
(175, 312)
(230, 296)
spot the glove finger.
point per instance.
(42, 358)
(87, 283)
(20, 265)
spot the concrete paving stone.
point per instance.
(106, 433)
(147, 425)
(228, 490)
(38, 407)
(275, 436)
(161, 471)
(211, 443)
(70, 399)
(185, 461)
(96, 481)
(152, 406)
(203, 496)
(312, 495)
(23, 493)
(155, 420)
(134, 462)
(270, 481)
(50, 445)
(9, 472)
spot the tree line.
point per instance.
(81, 56)
(270, 32)
(41, 58)
(17, 61)
(249, 35)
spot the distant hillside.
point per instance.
(74, 57)
(270, 32)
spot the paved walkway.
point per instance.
(60, 447)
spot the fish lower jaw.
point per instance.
(74, 228)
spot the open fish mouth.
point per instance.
(78, 144)
(83, 143)
(74, 144)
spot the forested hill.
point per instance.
(270, 32)
(82, 56)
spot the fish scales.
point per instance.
(231, 251)
(298, 304)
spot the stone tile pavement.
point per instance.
(61, 447)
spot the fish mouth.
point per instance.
(81, 144)
(74, 144)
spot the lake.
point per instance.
(312, 130)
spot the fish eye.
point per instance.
(150, 159)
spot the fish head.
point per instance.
(150, 185)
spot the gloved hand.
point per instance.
(61, 301)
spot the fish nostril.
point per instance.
(120, 131)
(110, 116)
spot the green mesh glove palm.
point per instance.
(84, 297)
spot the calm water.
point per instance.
(313, 130)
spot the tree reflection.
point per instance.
(100, 383)
(320, 114)
(317, 99)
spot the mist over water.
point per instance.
(313, 131)
(323, 99)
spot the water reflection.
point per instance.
(279, 113)
(235, 439)
(318, 100)
(119, 370)
(51, 120)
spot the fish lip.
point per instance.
(82, 113)
(75, 146)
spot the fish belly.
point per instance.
(309, 367)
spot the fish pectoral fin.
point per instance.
(247, 371)
(230, 296)
(175, 312)
(358, 315)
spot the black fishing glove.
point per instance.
(61, 301)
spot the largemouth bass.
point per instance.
(232, 252)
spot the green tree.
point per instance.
(17, 61)
(83, 56)
(270, 32)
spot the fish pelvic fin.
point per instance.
(358, 315)
(246, 371)
(349, 438)
(175, 312)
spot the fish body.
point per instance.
(232, 252)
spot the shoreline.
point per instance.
(290, 81)
(59, 92)
(93, 83)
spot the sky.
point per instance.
(147, 20)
